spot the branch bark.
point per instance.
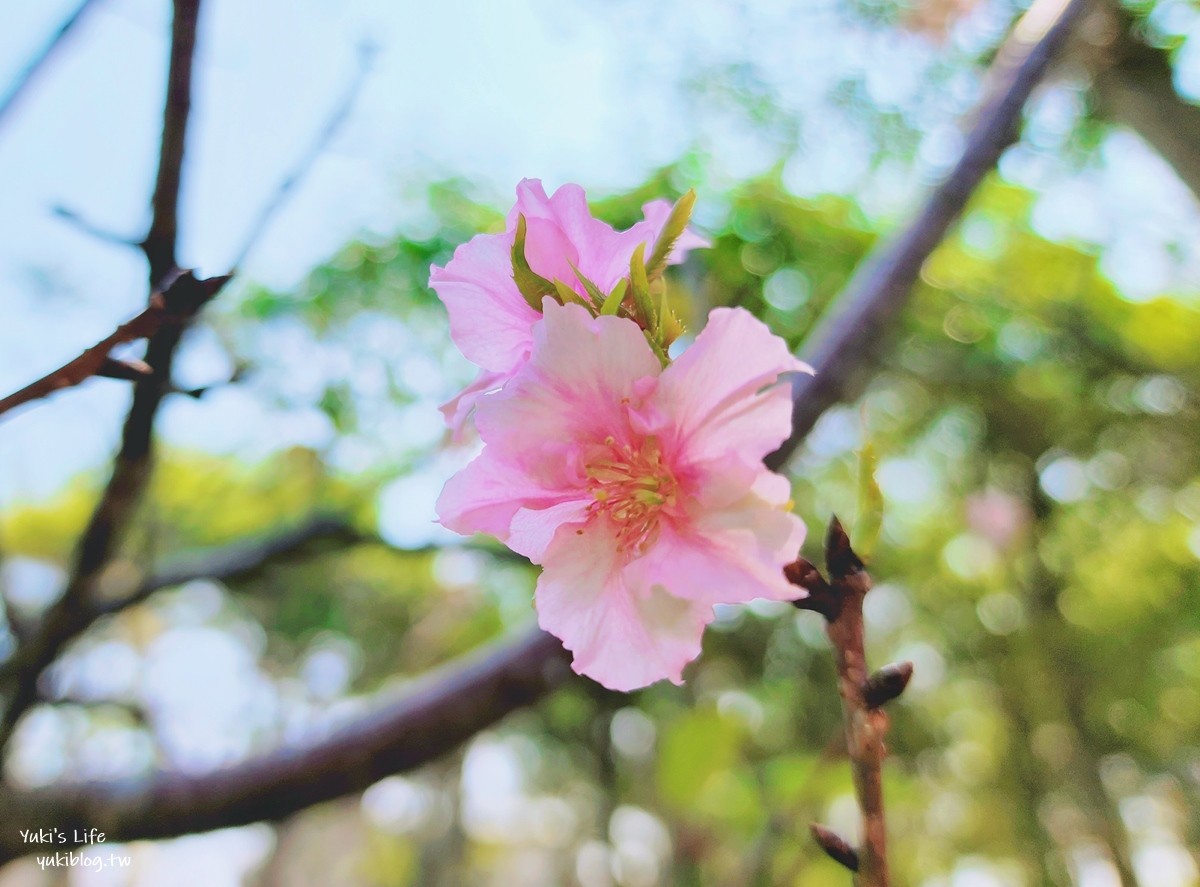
(882, 284)
(172, 307)
(447, 708)
(840, 600)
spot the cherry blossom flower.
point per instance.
(490, 320)
(640, 490)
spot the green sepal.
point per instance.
(641, 291)
(532, 285)
(657, 348)
(567, 295)
(612, 302)
(681, 214)
(596, 294)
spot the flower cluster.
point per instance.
(636, 482)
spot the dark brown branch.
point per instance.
(38, 63)
(161, 240)
(882, 284)
(444, 710)
(132, 467)
(341, 112)
(865, 722)
(169, 309)
(238, 561)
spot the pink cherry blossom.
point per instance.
(640, 490)
(490, 320)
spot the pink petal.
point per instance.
(562, 231)
(457, 411)
(532, 530)
(490, 321)
(580, 377)
(486, 495)
(623, 636)
(721, 393)
(725, 559)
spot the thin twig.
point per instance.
(237, 561)
(341, 113)
(38, 63)
(92, 229)
(173, 307)
(161, 240)
(881, 286)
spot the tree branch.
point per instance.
(38, 63)
(883, 283)
(171, 308)
(862, 695)
(237, 561)
(440, 713)
(160, 242)
(131, 470)
(233, 562)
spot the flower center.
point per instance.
(632, 486)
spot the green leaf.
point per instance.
(681, 214)
(870, 503)
(612, 302)
(532, 285)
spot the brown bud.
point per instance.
(840, 559)
(129, 370)
(887, 683)
(821, 597)
(837, 849)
